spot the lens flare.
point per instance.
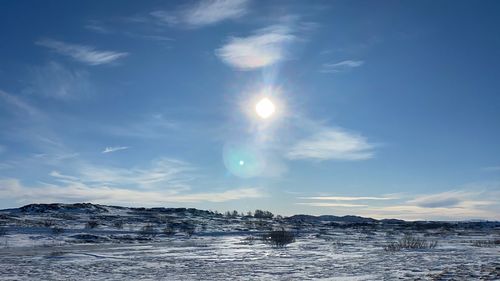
(265, 108)
(242, 160)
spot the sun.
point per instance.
(265, 108)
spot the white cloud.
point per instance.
(114, 148)
(457, 204)
(332, 144)
(82, 53)
(56, 81)
(450, 199)
(163, 173)
(346, 198)
(321, 204)
(165, 180)
(341, 66)
(72, 191)
(206, 12)
(264, 48)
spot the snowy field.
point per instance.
(224, 251)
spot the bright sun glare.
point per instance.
(264, 108)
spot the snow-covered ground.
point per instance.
(220, 249)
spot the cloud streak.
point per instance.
(82, 53)
(110, 149)
(341, 66)
(322, 204)
(164, 181)
(457, 204)
(72, 191)
(203, 13)
(53, 80)
(264, 48)
(332, 144)
(346, 198)
(18, 104)
(163, 173)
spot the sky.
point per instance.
(384, 109)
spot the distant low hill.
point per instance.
(327, 220)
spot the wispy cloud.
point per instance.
(74, 191)
(113, 26)
(202, 13)
(55, 157)
(164, 173)
(150, 126)
(97, 26)
(454, 198)
(265, 47)
(32, 128)
(322, 204)
(320, 201)
(82, 53)
(332, 144)
(456, 204)
(17, 103)
(57, 81)
(114, 148)
(341, 66)
(347, 198)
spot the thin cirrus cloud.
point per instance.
(72, 191)
(451, 199)
(264, 48)
(110, 149)
(346, 198)
(323, 204)
(82, 53)
(332, 144)
(164, 181)
(57, 81)
(203, 13)
(18, 104)
(341, 66)
(448, 205)
(161, 173)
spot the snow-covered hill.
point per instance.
(96, 242)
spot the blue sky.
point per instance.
(382, 108)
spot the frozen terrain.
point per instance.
(57, 242)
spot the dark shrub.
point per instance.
(92, 224)
(410, 242)
(188, 228)
(486, 243)
(48, 223)
(279, 238)
(168, 230)
(259, 214)
(57, 230)
(118, 224)
(89, 238)
(3, 231)
(148, 230)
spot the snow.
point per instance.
(220, 252)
